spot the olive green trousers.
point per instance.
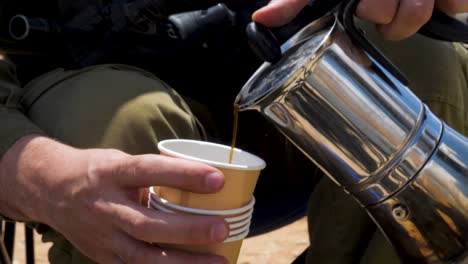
(118, 106)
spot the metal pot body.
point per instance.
(427, 220)
(372, 136)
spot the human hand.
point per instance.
(395, 19)
(93, 197)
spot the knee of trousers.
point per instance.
(139, 124)
(112, 107)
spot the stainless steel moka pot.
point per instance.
(350, 111)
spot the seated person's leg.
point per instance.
(109, 106)
(340, 230)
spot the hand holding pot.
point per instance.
(396, 19)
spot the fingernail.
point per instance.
(214, 181)
(219, 232)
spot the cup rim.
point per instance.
(163, 149)
(177, 207)
(230, 220)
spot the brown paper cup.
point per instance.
(238, 223)
(228, 213)
(230, 249)
(240, 176)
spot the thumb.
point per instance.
(278, 12)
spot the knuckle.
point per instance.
(97, 172)
(128, 167)
(419, 12)
(105, 163)
(100, 207)
(197, 233)
(137, 226)
(379, 12)
(96, 169)
(385, 18)
(117, 166)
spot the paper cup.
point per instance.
(245, 222)
(240, 177)
(238, 229)
(234, 220)
(235, 228)
(237, 225)
(180, 208)
(234, 232)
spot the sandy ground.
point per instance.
(281, 246)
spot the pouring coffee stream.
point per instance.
(349, 110)
(234, 131)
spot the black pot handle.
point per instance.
(443, 27)
(266, 42)
(440, 26)
(346, 15)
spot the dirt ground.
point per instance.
(281, 246)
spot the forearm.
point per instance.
(17, 133)
(24, 177)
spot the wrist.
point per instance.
(27, 177)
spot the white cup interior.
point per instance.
(211, 153)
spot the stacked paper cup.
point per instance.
(234, 202)
(238, 221)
